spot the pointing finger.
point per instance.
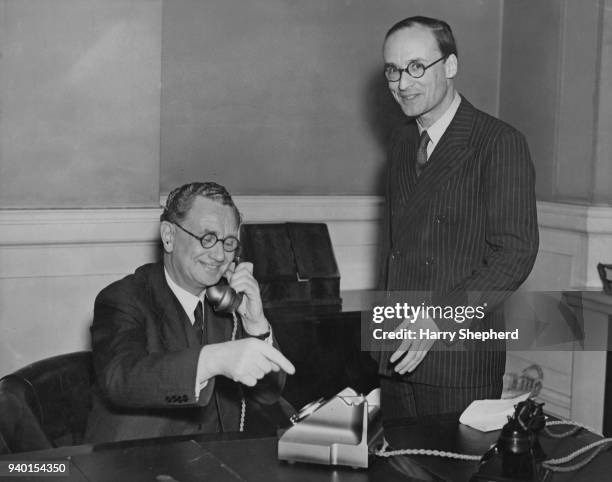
(277, 357)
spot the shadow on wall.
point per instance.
(383, 116)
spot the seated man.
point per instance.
(163, 370)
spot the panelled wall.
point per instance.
(54, 262)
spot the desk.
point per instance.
(324, 344)
(236, 457)
(450, 435)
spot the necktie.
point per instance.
(198, 325)
(421, 158)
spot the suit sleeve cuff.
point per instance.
(267, 336)
(201, 383)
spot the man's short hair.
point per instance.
(180, 200)
(440, 29)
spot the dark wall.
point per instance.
(79, 102)
(555, 80)
(530, 62)
(282, 97)
(110, 103)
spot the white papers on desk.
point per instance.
(487, 415)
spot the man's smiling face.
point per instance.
(191, 266)
(427, 97)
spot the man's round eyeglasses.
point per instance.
(414, 69)
(208, 240)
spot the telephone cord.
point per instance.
(382, 452)
(242, 400)
(554, 465)
(576, 426)
(434, 453)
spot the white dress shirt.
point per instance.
(189, 302)
(438, 128)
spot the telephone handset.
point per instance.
(223, 297)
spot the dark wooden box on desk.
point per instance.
(297, 272)
(294, 264)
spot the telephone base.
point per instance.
(339, 431)
(513, 469)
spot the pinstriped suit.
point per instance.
(464, 230)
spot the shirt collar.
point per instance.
(437, 129)
(187, 300)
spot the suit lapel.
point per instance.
(403, 174)
(218, 326)
(447, 158)
(177, 332)
(174, 325)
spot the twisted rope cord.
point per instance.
(576, 453)
(550, 423)
(551, 464)
(554, 464)
(435, 453)
(242, 400)
(567, 433)
(547, 464)
(383, 452)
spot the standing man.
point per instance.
(460, 224)
(165, 362)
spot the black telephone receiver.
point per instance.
(223, 298)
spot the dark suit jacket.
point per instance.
(464, 231)
(145, 353)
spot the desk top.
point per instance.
(450, 435)
(238, 457)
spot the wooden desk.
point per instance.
(450, 435)
(325, 347)
(236, 457)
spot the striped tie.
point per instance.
(421, 157)
(199, 322)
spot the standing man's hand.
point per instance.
(413, 351)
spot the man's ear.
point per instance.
(451, 66)
(167, 231)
